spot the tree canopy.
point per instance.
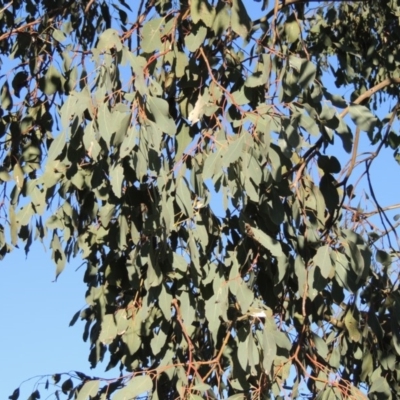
(186, 152)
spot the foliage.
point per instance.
(186, 153)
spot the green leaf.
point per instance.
(4, 175)
(183, 139)
(90, 388)
(6, 99)
(321, 346)
(108, 329)
(241, 22)
(221, 21)
(234, 149)
(267, 241)
(18, 176)
(357, 260)
(121, 321)
(212, 164)
(308, 124)
(58, 254)
(269, 349)
(106, 213)
(24, 215)
(243, 293)
(260, 75)
(292, 31)
(132, 341)
(196, 37)
(352, 326)
(187, 308)
(241, 96)
(53, 81)
(106, 123)
(164, 302)
(13, 226)
(367, 366)
(129, 142)
(305, 69)
(334, 359)
(363, 118)
(345, 277)
(158, 342)
(384, 258)
(381, 387)
(159, 110)
(323, 260)
(151, 34)
(216, 307)
(109, 39)
(138, 385)
(200, 10)
(254, 356)
(116, 178)
(56, 147)
(58, 35)
(154, 275)
(183, 197)
(336, 100)
(121, 121)
(242, 349)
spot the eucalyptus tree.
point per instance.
(186, 152)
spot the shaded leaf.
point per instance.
(108, 329)
(241, 22)
(269, 350)
(352, 326)
(14, 395)
(363, 117)
(323, 260)
(6, 99)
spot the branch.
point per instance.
(387, 231)
(369, 93)
(215, 361)
(382, 214)
(191, 347)
(371, 213)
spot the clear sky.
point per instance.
(35, 311)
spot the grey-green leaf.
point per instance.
(138, 385)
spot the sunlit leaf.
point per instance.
(136, 386)
(90, 388)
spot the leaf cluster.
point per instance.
(123, 128)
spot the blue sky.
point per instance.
(35, 311)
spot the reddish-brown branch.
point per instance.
(184, 331)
